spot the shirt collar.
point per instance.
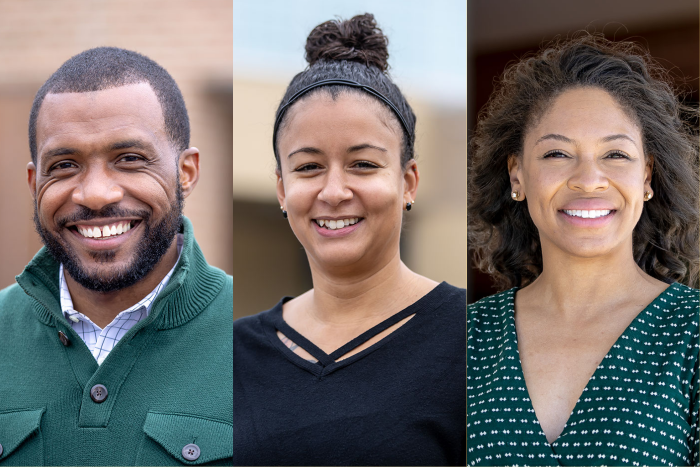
(73, 315)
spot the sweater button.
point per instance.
(63, 338)
(98, 393)
(191, 452)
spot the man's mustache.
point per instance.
(86, 214)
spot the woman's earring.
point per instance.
(284, 213)
(515, 195)
(648, 195)
(409, 204)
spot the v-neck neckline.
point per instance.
(511, 321)
(328, 363)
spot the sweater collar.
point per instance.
(193, 285)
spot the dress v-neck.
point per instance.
(329, 362)
(609, 354)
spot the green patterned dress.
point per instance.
(640, 407)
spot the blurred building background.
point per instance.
(501, 31)
(427, 57)
(189, 38)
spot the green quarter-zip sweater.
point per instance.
(163, 396)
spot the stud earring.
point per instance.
(648, 195)
(409, 205)
(284, 213)
(515, 195)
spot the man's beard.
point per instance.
(153, 244)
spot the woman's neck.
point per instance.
(577, 288)
(364, 295)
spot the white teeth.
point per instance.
(588, 214)
(105, 231)
(337, 224)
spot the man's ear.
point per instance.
(31, 179)
(188, 164)
(411, 177)
(280, 189)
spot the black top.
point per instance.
(401, 401)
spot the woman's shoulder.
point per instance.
(499, 301)
(678, 301)
(490, 313)
(255, 323)
(448, 296)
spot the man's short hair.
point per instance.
(110, 67)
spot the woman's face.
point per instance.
(583, 173)
(340, 164)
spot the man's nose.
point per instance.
(335, 189)
(97, 189)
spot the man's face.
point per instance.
(107, 196)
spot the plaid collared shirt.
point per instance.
(102, 341)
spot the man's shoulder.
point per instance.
(15, 308)
(12, 297)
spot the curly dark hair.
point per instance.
(502, 236)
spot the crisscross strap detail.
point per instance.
(326, 359)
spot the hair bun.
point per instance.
(357, 39)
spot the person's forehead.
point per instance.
(78, 117)
(586, 110)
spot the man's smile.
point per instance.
(104, 230)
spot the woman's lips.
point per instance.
(352, 225)
(588, 217)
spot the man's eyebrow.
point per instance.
(360, 147)
(306, 149)
(59, 152)
(130, 143)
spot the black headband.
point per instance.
(344, 82)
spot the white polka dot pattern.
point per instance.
(640, 407)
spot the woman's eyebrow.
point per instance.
(564, 139)
(556, 137)
(607, 139)
(306, 149)
(360, 147)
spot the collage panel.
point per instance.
(349, 171)
(117, 252)
(583, 315)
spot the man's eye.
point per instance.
(65, 165)
(131, 158)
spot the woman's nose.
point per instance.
(335, 189)
(588, 177)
